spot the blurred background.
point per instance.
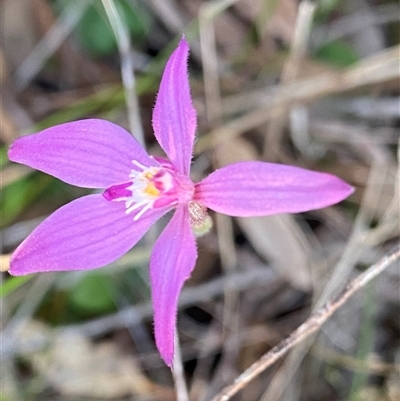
(312, 84)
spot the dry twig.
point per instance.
(309, 327)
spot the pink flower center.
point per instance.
(151, 187)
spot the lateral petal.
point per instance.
(261, 189)
(89, 153)
(174, 117)
(84, 234)
(171, 263)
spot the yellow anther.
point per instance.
(152, 190)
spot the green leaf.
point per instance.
(16, 197)
(3, 156)
(92, 294)
(337, 53)
(95, 33)
(137, 19)
(13, 283)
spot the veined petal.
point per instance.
(173, 259)
(86, 233)
(174, 117)
(89, 153)
(260, 189)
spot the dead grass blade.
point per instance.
(380, 68)
(50, 42)
(289, 73)
(122, 36)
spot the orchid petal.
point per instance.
(261, 189)
(173, 259)
(174, 118)
(90, 153)
(87, 233)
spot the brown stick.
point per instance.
(309, 327)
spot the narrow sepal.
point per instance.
(261, 189)
(174, 117)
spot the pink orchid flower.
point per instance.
(138, 189)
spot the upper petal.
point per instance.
(172, 260)
(174, 117)
(89, 153)
(260, 189)
(86, 233)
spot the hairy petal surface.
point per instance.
(174, 117)
(86, 233)
(89, 153)
(173, 259)
(260, 189)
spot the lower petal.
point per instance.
(87, 233)
(260, 189)
(171, 263)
